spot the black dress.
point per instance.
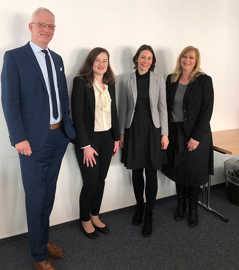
(188, 168)
(142, 141)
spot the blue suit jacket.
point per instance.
(25, 99)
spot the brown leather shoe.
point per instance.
(54, 251)
(44, 265)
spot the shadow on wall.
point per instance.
(20, 29)
(10, 178)
(12, 199)
(78, 57)
(163, 57)
(126, 58)
(19, 32)
(6, 149)
(126, 62)
(18, 36)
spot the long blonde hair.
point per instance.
(178, 69)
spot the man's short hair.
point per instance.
(40, 9)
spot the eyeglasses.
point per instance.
(45, 25)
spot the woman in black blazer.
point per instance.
(190, 155)
(95, 118)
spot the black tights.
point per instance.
(151, 187)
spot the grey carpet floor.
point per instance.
(213, 245)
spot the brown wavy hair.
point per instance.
(136, 56)
(86, 70)
(178, 69)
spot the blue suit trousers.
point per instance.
(39, 175)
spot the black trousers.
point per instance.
(94, 177)
(151, 187)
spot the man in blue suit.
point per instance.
(36, 108)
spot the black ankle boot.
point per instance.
(181, 203)
(147, 227)
(138, 214)
(193, 216)
(193, 207)
(180, 210)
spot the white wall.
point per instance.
(121, 26)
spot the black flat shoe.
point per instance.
(92, 235)
(104, 230)
(180, 213)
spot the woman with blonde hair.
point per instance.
(190, 154)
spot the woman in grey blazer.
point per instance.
(144, 130)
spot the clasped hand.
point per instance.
(192, 145)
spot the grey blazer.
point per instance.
(127, 91)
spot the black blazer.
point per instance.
(197, 105)
(83, 111)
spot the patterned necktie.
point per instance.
(52, 86)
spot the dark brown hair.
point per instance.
(140, 49)
(86, 70)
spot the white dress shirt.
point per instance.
(102, 107)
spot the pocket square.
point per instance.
(61, 68)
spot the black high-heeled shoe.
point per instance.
(92, 235)
(104, 230)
